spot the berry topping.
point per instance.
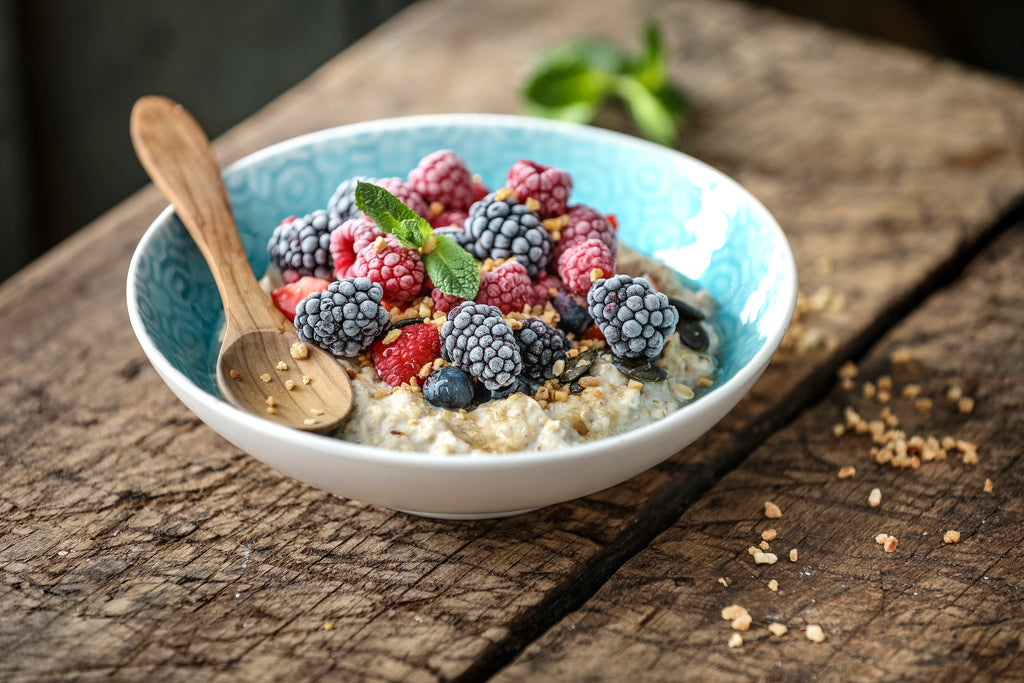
(288, 297)
(520, 385)
(584, 224)
(549, 186)
(634, 319)
(503, 228)
(508, 287)
(477, 339)
(442, 177)
(444, 302)
(401, 353)
(574, 318)
(540, 346)
(398, 270)
(343, 202)
(449, 217)
(348, 239)
(545, 287)
(343, 319)
(585, 262)
(449, 388)
(301, 246)
(457, 235)
(406, 194)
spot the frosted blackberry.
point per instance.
(457, 235)
(302, 246)
(540, 346)
(503, 228)
(343, 202)
(634, 319)
(345, 318)
(477, 339)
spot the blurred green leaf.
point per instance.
(652, 117)
(566, 83)
(651, 67)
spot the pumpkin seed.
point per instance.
(692, 334)
(686, 311)
(578, 366)
(640, 369)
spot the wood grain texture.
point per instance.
(135, 541)
(930, 610)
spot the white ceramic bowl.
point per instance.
(670, 206)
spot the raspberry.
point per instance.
(585, 262)
(398, 270)
(585, 223)
(540, 346)
(301, 246)
(503, 228)
(508, 287)
(348, 239)
(634, 319)
(402, 359)
(408, 196)
(479, 189)
(444, 302)
(343, 319)
(442, 177)
(542, 288)
(449, 217)
(477, 339)
(549, 186)
(288, 297)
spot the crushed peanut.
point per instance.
(379, 244)
(753, 550)
(901, 356)
(847, 370)
(265, 377)
(392, 336)
(884, 383)
(234, 374)
(589, 381)
(965, 405)
(954, 393)
(532, 204)
(771, 510)
(633, 384)
(847, 471)
(793, 555)
(306, 379)
(309, 421)
(271, 410)
(880, 539)
(270, 401)
(735, 640)
(316, 412)
(773, 585)
(299, 351)
(875, 498)
(502, 194)
(988, 486)
(724, 581)
(890, 544)
(596, 274)
(281, 365)
(778, 629)
(951, 536)
(289, 384)
(764, 546)
(815, 634)
(738, 616)
(838, 430)
(765, 558)
(769, 534)
(912, 391)
(923, 405)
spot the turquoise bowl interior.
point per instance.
(669, 206)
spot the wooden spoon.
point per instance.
(255, 367)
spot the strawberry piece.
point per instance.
(288, 297)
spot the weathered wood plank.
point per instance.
(928, 611)
(129, 528)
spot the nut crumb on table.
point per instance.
(815, 633)
(771, 510)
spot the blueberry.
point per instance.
(449, 388)
(521, 384)
(574, 318)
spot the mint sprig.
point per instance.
(451, 268)
(571, 82)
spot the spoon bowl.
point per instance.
(262, 366)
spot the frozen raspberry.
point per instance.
(408, 196)
(508, 287)
(398, 270)
(344, 319)
(349, 239)
(634, 319)
(479, 189)
(585, 262)
(449, 218)
(442, 177)
(549, 186)
(476, 339)
(402, 359)
(540, 346)
(542, 288)
(585, 223)
(444, 302)
(301, 246)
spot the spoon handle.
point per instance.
(177, 155)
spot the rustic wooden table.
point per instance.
(135, 542)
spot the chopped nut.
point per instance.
(738, 616)
(847, 471)
(732, 612)
(793, 555)
(633, 384)
(965, 405)
(234, 374)
(764, 545)
(988, 486)
(923, 405)
(970, 457)
(289, 384)
(875, 498)
(392, 336)
(912, 391)
(771, 510)
(883, 396)
(265, 377)
(502, 194)
(281, 365)
(270, 401)
(329, 626)
(765, 558)
(778, 629)
(890, 544)
(901, 356)
(705, 381)
(880, 539)
(815, 634)
(271, 410)
(769, 534)
(869, 390)
(380, 244)
(589, 381)
(532, 204)
(951, 536)
(838, 430)
(884, 383)
(596, 274)
(309, 421)
(299, 351)
(735, 640)
(848, 370)
(954, 393)
(724, 581)
(753, 550)
(316, 412)
(773, 585)
(306, 379)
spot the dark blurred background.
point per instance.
(70, 71)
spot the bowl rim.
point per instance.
(333, 446)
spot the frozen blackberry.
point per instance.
(540, 346)
(302, 246)
(504, 228)
(477, 339)
(343, 202)
(574, 319)
(520, 385)
(634, 319)
(345, 318)
(457, 235)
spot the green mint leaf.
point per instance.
(652, 117)
(409, 234)
(562, 85)
(392, 216)
(452, 269)
(651, 68)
